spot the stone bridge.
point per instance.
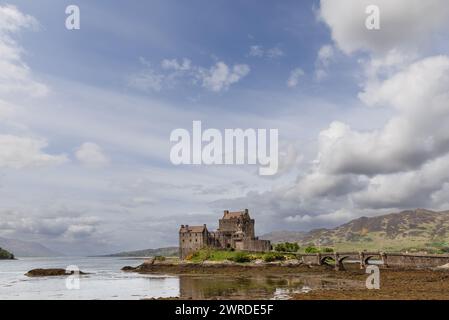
(400, 260)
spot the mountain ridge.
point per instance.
(419, 229)
(166, 252)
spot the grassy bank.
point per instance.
(236, 256)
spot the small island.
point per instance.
(5, 255)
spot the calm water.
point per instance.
(106, 281)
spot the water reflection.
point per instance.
(262, 287)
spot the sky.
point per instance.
(86, 115)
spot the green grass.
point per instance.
(274, 256)
(236, 256)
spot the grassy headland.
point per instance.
(5, 255)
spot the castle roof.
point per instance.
(235, 214)
(193, 229)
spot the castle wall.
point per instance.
(190, 242)
(238, 224)
(256, 245)
(228, 225)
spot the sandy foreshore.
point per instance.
(425, 284)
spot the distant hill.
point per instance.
(5, 255)
(166, 252)
(22, 248)
(284, 236)
(408, 230)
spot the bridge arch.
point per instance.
(343, 258)
(367, 259)
(328, 260)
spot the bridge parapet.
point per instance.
(405, 260)
(411, 260)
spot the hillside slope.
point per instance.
(408, 230)
(284, 236)
(166, 252)
(27, 248)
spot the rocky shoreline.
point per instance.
(153, 266)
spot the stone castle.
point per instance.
(236, 231)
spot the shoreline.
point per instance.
(222, 268)
(396, 283)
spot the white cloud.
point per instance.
(173, 64)
(21, 152)
(256, 51)
(15, 75)
(405, 24)
(320, 185)
(294, 77)
(90, 154)
(79, 231)
(289, 158)
(324, 58)
(220, 76)
(62, 224)
(336, 217)
(17, 81)
(217, 78)
(406, 189)
(274, 53)
(418, 132)
(320, 74)
(325, 55)
(12, 20)
(7, 110)
(271, 53)
(146, 80)
(403, 164)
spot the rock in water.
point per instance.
(128, 269)
(50, 273)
